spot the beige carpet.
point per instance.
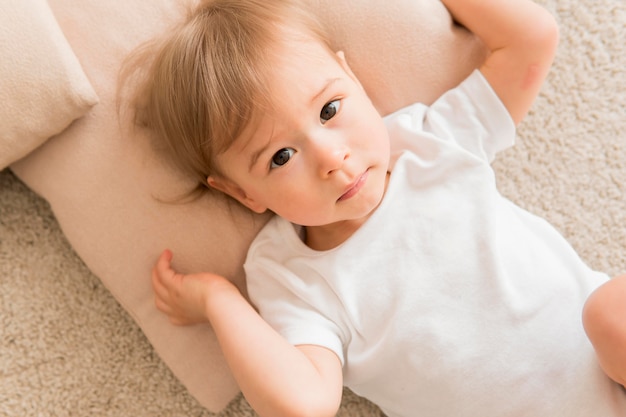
(68, 349)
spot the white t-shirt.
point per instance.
(450, 301)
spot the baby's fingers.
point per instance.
(163, 265)
(162, 271)
(162, 274)
(162, 306)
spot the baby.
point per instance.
(393, 265)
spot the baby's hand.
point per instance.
(184, 298)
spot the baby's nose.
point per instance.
(332, 157)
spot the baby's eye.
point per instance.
(329, 111)
(281, 157)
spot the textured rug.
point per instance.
(68, 349)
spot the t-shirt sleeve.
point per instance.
(470, 115)
(290, 315)
(288, 303)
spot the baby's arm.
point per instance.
(521, 37)
(276, 378)
(604, 318)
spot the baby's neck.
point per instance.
(330, 236)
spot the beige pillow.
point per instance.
(42, 85)
(101, 178)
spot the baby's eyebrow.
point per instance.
(326, 86)
(254, 156)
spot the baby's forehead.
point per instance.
(295, 61)
(293, 43)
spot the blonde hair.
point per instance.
(199, 87)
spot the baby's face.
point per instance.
(320, 155)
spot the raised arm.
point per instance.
(277, 379)
(521, 37)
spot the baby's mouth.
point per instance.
(354, 187)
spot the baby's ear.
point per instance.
(228, 187)
(344, 64)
